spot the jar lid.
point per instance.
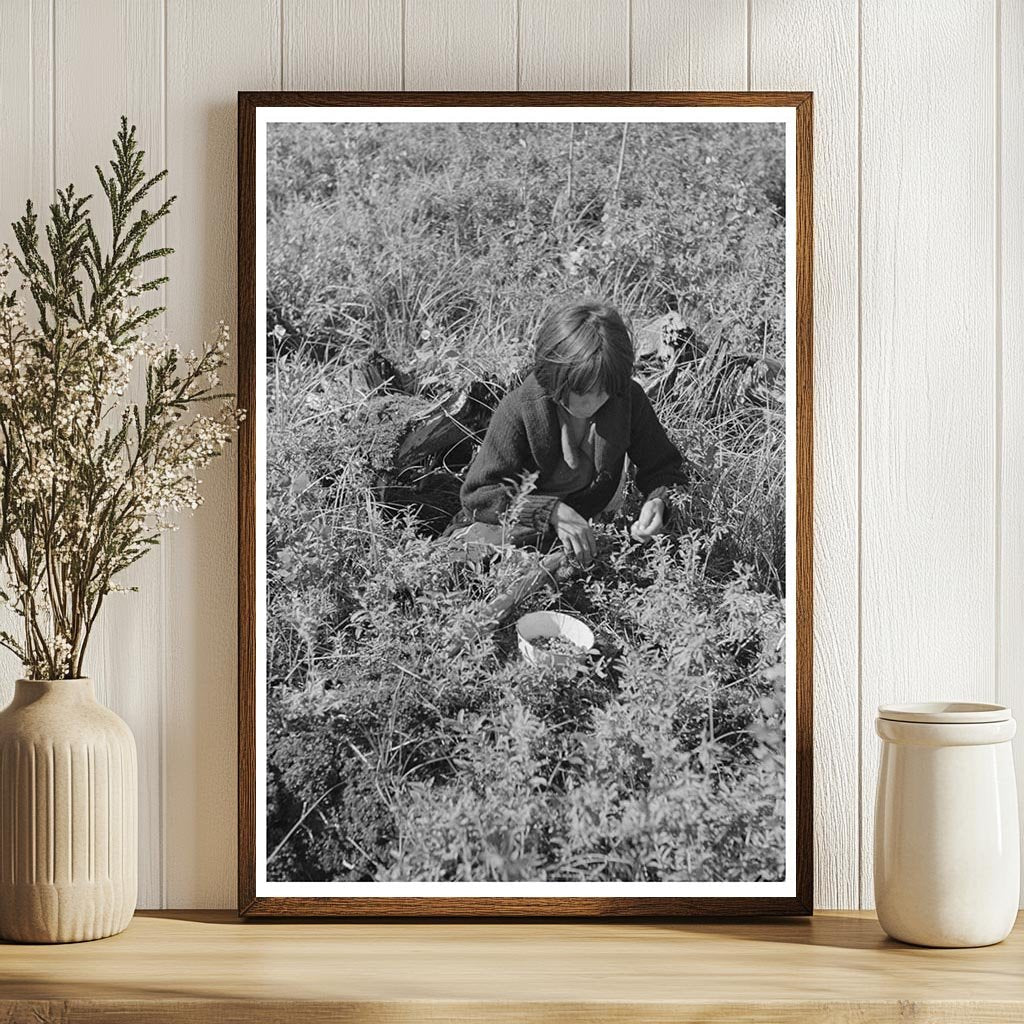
(944, 712)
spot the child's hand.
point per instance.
(574, 532)
(650, 522)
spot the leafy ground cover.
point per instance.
(398, 750)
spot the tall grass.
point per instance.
(439, 246)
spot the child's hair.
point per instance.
(581, 346)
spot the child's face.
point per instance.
(586, 404)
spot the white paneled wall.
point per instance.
(919, 327)
(1009, 366)
(829, 67)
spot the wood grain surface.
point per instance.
(207, 966)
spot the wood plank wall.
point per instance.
(919, 353)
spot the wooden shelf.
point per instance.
(203, 967)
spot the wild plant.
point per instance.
(397, 749)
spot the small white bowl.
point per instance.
(538, 624)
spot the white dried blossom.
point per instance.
(88, 482)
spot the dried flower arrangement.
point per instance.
(88, 478)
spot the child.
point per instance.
(572, 421)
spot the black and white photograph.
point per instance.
(525, 502)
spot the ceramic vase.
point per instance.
(68, 815)
(947, 846)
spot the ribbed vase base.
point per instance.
(68, 815)
(73, 913)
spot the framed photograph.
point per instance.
(525, 492)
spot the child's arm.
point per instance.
(658, 461)
(659, 465)
(503, 456)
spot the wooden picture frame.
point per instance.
(796, 107)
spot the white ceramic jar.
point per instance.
(947, 846)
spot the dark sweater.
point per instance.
(524, 436)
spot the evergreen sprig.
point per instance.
(88, 477)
